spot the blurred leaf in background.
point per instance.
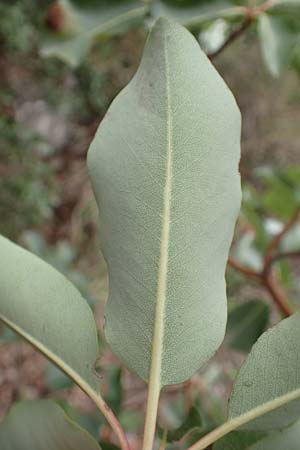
(77, 26)
(246, 322)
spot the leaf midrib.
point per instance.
(155, 375)
(159, 321)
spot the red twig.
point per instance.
(286, 255)
(275, 292)
(244, 270)
(266, 276)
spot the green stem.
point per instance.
(151, 414)
(163, 442)
(111, 419)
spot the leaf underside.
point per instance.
(41, 305)
(164, 169)
(271, 370)
(42, 425)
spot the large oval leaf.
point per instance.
(42, 425)
(271, 371)
(41, 305)
(164, 167)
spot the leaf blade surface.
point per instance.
(164, 169)
(41, 425)
(270, 372)
(41, 305)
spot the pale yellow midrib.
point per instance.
(158, 335)
(159, 320)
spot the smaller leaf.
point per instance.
(245, 324)
(193, 423)
(87, 24)
(213, 37)
(114, 394)
(239, 440)
(251, 212)
(40, 425)
(270, 373)
(281, 193)
(277, 43)
(290, 7)
(42, 306)
(89, 422)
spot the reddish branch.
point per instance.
(274, 290)
(244, 270)
(266, 276)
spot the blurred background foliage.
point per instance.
(62, 62)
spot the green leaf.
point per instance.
(164, 168)
(287, 3)
(271, 372)
(114, 394)
(90, 422)
(288, 438)
(245, 252)
(214, 36)
(41, 305)
(245, 324)
(281, 193)
(193, 423)
(239, 440)
(56, 379)
(251, 212)
(285, 7)
(277, 41)
(40, 425)
(85, 24)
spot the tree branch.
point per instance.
(243, 269)
(266, 277)
(286, 255)
(273, 289)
